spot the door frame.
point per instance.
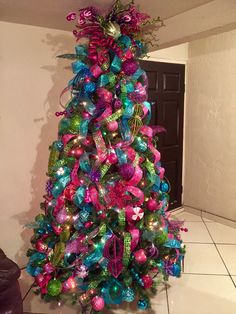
(184, 62)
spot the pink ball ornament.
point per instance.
(85, 115)
(112, 158)
(97, 303)
(112, 126)
(147, 281)
(126, 171)
(152, 205)
(140, 256)
(41, 246)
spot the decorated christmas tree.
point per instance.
(104, 235)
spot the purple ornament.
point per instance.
(130, 66)
(82, 271)
(117, 103)
(95, 175)
(152, 251)
(126, 171)
(61, 217)
(49, 187)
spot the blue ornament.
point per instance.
(142, 304)
(164, 187)
(175, 270)
(128, 295)
(58, 145)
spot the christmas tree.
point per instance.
(105, 234)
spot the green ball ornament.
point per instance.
(75, 123)
(162, 238)
(54, 287)
(40, 218)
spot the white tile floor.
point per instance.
(207, 286)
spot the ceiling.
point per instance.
(52, 13)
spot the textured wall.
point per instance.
(31, 80)
(210, 164)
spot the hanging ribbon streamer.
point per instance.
(79, 195)
(127, 248)
(137, 193)
(100, 145)
(74, 174)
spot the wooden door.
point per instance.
(166, 92)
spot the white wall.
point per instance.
(31, 79)
(210, 160)
(175, 54)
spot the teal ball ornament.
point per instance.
(128, 295)
(142, 304)
(58, 145)
(164, 187)
(64, 126)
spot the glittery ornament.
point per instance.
(41, 246)
(126, 171)
(140, 256)
(152, 205)
(147, 281)
(112, 126)
(54, 287)
(142, 304)
(128, 295)
(112, 158)
(97, 303)
(61, 217)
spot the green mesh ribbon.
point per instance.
(136, 160)
(53, 158)
(68, 147)
(104, 168)
(127, 243)
(150, 167)
(114, 116)
(121, 218)
(96, 282)
(102, 229)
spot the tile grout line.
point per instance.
(28, 291)
(205, 274)
(220, 255)
(167, 300)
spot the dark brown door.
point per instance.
(166, 92)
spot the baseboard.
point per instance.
(209, 216)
